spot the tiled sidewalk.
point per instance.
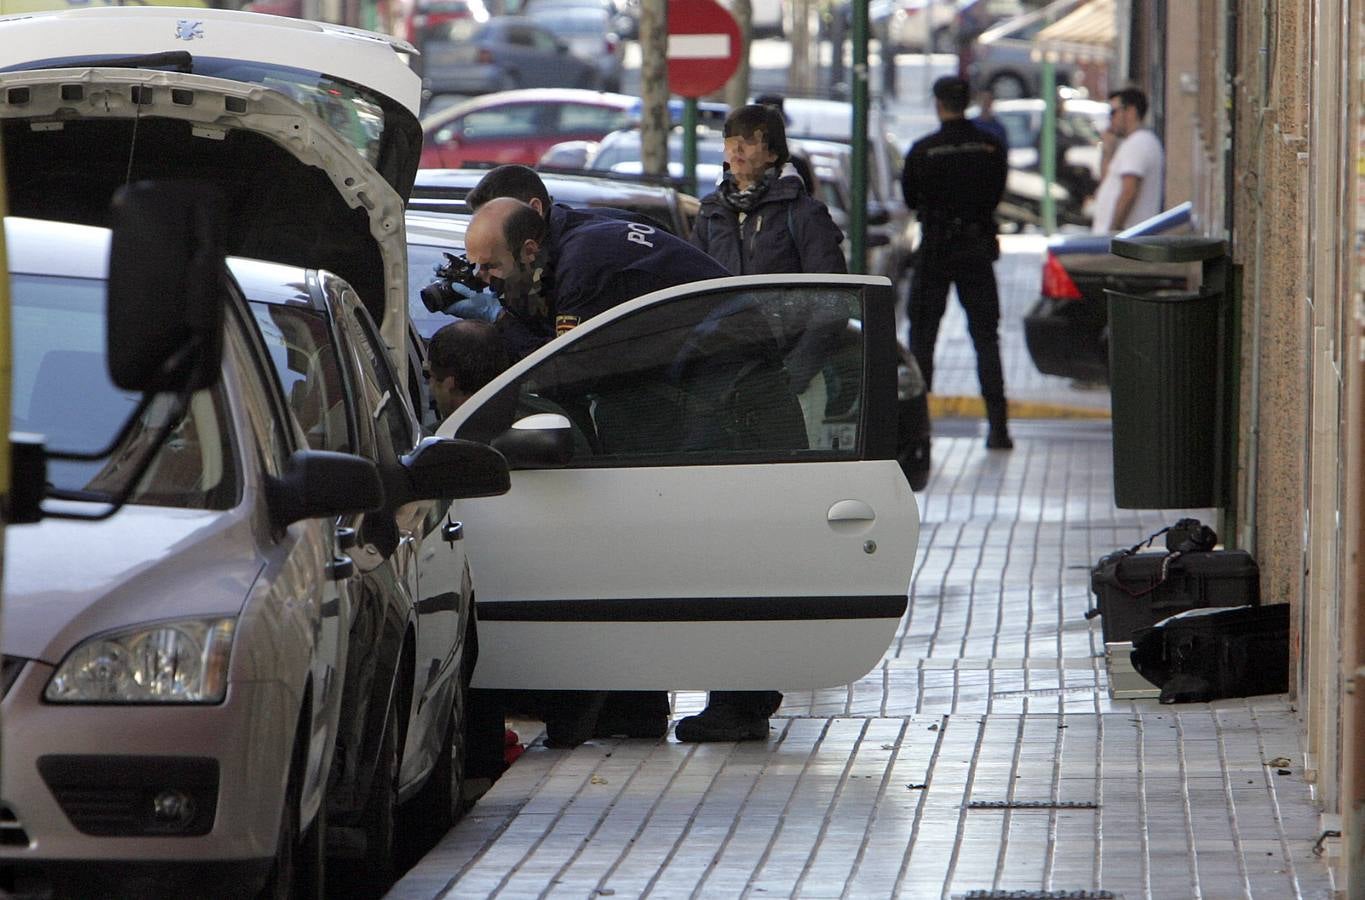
(983, 757)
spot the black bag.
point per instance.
(1135, 590)
(1211, 654)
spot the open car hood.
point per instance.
(296, 192)
(330, 68)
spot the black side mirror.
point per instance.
(457, 469)
(541, 441)
(319, 484)
(167, 281)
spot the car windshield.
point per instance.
(353, 112)
(62, 391)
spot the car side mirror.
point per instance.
(167, 285)
(319, 484)
(457, 469)
(541, 441)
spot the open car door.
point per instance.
(731, 516)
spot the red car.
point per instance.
(519, 126)
(421, 17)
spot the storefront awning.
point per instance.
(1086, 35)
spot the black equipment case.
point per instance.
(1134, 590)
(1210, 654)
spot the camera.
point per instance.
(440, 295)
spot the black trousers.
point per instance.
(969, 264)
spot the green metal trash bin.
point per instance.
(1164, 358)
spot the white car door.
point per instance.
(732, 517)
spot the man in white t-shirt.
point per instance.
(1130, 188)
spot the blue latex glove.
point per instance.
(483, 305)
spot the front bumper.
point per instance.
(78, 783)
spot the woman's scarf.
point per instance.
(745, 200)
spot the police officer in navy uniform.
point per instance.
(954, 179)
(551, 280)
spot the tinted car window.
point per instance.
(575, 118)
(711, 380)
(308, 369)
(502, 122)
(61, 389)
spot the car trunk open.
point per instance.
(297, 193)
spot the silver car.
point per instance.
(172, 674)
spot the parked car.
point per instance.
(170, 693)
(620, 153)
(296, 201)
(502, 54)
(623, 16)
(1067, 330)
(587, 30)
(402, 726)
(1001, 57)
(914, 26)
(1077, 173)
(519, 126)
(421, 19)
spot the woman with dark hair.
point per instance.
(761, 221)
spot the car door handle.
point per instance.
(851, 511)
(452, 531)
(340, 568)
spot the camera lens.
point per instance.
(438, 296)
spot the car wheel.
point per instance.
(299, 860)
(438, 805)
(1008, 86)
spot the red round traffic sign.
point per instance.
(704, 44)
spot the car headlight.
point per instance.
(164, 662)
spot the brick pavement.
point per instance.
(908, 783)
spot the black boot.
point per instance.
(997, 414)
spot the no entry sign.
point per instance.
(703, 47)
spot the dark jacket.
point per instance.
(786, 231)
(596, 261)
(954, 178)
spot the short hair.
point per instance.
(471, 350)
(953, 93)
(521, 225)
(749, 120)
(1131, 96)
(520, 182)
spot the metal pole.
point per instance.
(1048, 146)
(689, 146)
(857, 218)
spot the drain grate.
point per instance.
(1032, 804)
(1038, 895)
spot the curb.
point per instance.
(961, 407)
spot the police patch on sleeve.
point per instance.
(566, 323)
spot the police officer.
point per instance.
(550, 282)
(954, 179)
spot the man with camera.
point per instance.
(549, 280)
